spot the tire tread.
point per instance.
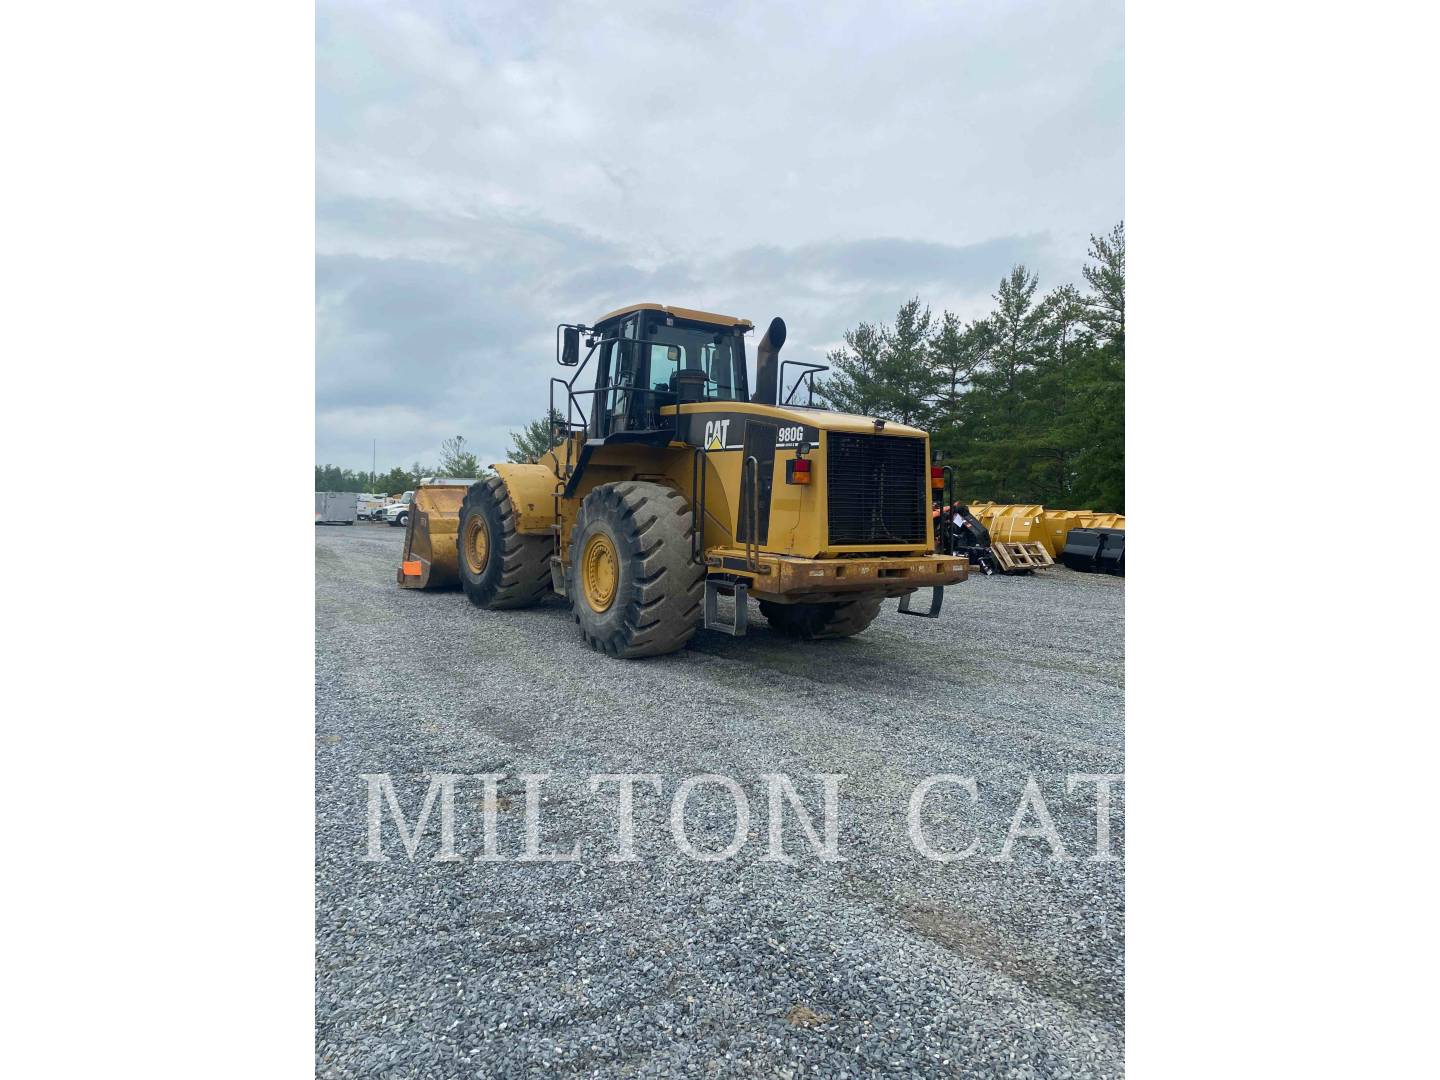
(818, 622)
(524, 560)
(661, 614)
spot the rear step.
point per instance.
(737, 626)
(937, 597)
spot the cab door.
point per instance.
(757, 483)
(617, 376)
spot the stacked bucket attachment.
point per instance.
(1095, 551)
(429, 560)
(1026, 537)
(1018, 538)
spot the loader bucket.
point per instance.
(1095, 550)
(1057, 525)
(1015, 524)
(1082, 550)
(429, 560)
(1112, 555)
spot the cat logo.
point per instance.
(716, 432)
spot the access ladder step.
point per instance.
(736, 627)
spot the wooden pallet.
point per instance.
(1017, 558)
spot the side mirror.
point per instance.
(570, 351)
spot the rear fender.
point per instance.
(531, 489)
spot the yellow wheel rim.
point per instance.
(476, 545)
(599, 572)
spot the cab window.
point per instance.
(720, 354)
(665, 361)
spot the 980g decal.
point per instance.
(726, 431)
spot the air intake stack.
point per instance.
(767, 364)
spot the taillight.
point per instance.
(797, 471)
(937, 477)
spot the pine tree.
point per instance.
(907, 364)
(1048, 436)
(456, 458)
(958, 352)
(535, 438)
(884, 371)
(857, 380)
(399, 480)
(1105, 306)
(1019, 326)
(1100, 382)
(995, 410)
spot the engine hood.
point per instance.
(822, 419)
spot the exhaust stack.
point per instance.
(767, 364)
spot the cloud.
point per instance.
(487, 171)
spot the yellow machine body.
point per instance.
(796, 559)
(791, 505)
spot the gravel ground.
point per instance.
(884, 963)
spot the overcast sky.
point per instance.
(486, 170)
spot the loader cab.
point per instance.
(648, 358)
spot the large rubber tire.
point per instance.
(812, 622)
(654, 589)
(515, 569)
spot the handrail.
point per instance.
(698, 472)
(947, 517)
(663, 398)
(752, 541)
(810, 369)
(573, 406)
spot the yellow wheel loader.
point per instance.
(672, 483)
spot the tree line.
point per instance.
(456, 459)
(1026, 404)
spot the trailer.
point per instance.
(336, 507)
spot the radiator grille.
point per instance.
(876, 487)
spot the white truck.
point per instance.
(370, 506)
(398, 512)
